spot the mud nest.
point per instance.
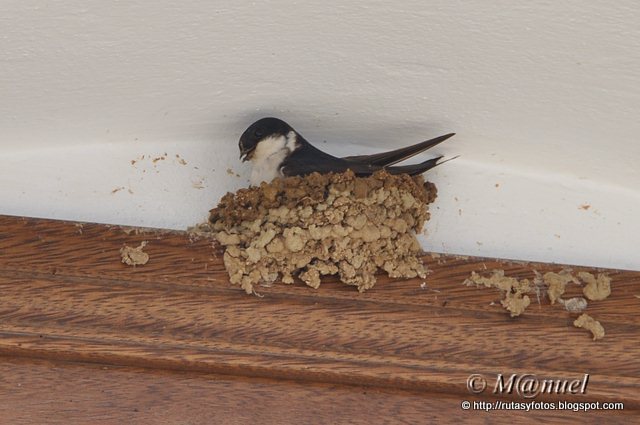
(323, 224)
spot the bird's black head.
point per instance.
(258, 131)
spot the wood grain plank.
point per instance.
(54, 392)
(65, 295)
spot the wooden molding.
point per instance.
(67, 303)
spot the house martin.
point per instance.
(275, 149)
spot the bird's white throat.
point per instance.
(267, 159)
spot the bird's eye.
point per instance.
(258, 133)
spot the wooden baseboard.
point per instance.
(175, 335)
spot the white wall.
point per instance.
(544, 97)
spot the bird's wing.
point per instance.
(297, 168)
(311, 159)
(314, 160)
(384, 159)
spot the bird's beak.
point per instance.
(245, 155)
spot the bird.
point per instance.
(275, 149)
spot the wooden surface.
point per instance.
(87, 339)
